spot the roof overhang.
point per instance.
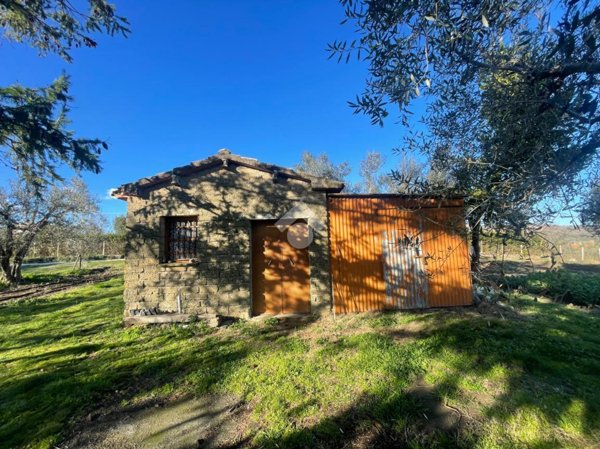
(224, 159)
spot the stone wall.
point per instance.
(226, 200)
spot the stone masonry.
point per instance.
(226, 193)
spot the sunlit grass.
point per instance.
(33, 274)
(529, 379)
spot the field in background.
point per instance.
(524, 375)
(37, 278)
(63, 268)
(573, 249)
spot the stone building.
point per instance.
(229, 236)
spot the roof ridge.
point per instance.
(223, 157)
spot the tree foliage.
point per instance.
(321, 165)
(34, 134)
(372, 180)
(373, 175)
(416, 48)
(590, 212)
(56, 26)
(23, 215)
(512, 91)
(119, 226)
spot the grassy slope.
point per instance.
(55, 272)
(33, 274)
(530, 380)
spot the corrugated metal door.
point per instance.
(393, 252)
(280, 270)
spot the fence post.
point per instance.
(582, 253)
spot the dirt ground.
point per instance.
(214, 421)
(513, 265)
(218, 421)
(29, 291)
(211, 421)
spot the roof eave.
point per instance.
(317, 184)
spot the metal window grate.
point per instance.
(182, 238)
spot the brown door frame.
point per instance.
(266, 222)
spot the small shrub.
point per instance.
(561, 285)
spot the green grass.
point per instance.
(35, 274)
(562, 285)
(529, 380)
(56, 272)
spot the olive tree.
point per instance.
(25, 214)
(320, 165)
(590, 211)
(511, 93)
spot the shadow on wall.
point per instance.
(386, 257)
(225, 200)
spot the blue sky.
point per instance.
(194, 77)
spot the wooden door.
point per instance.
(280, 270)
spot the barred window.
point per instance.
(181, 238)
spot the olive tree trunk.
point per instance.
(11, 270)
(475, 225)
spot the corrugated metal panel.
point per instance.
(393, 252)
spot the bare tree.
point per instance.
(24, 214)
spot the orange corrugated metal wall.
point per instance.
(394, 252)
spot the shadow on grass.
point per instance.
(582, 268)
(63, 360)
(550, 365)
(66, 355)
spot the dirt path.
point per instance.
(212, 421)
(48, 288)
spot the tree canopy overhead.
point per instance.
(511, 88)
(56, 26)
(416, 48)
(35, 137)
